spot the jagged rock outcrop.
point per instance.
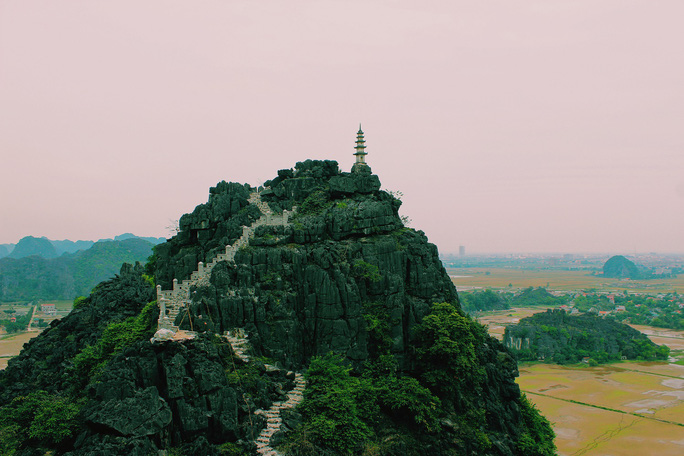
(341, 275)
(299, 289)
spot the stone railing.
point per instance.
(274, 421)
(171, 302)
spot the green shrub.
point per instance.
(38, 419)
(446, 353)
(79, 302)
(315, 203)
(333, 418)
(231, 449)
(537, 438)
(378, 328)
(364, 270)
(116, 336)
(406, 396)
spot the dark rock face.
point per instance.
(300, 290)
(163, 394)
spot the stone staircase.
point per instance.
(238, 340)
(171, 302)
(240, 344)
(273, 420)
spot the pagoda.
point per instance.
(360, 149)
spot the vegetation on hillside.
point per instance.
(484, 300)
(558, 337)
(379, 410)
(69, 275)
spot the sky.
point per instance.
(527, 126)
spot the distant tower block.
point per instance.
(461, 250)
(360, 148)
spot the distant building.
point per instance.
(48, 309)
(461, 250)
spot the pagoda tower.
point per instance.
(360, 148)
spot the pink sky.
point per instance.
(527, 126)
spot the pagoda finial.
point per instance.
(360, 148)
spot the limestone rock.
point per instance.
(162, 335)
(144, 413)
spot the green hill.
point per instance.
(33, 246)
(555, 336)
(621, 268)
(69, 275)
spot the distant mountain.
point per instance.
(153, 240)
(47, 248)
(30, 245)
(620, 267)
(69, 275)
(67, 246)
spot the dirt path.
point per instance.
(33, 315)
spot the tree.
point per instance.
(446, 352)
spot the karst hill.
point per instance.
(300, 317)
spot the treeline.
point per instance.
(489, 300)
(555, 336)
(20, 323)
(69, 275)
(662, 311)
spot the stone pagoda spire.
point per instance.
(360, 148)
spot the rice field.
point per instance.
(11, 345)
(627, 408)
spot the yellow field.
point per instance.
(10, 345)
(646, 413)
(497, 320)
(556, 280)
(620, 409)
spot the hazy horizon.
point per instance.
(534, 126)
